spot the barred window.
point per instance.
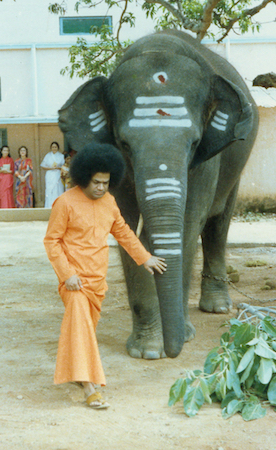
(82, 25)
(3, 137)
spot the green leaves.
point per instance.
(193, 400)
(244, 334)
(240, 373)
(264, 372)
(177, 391)
(271, 392)
(253, 409)
(246, 360)
(197, 16)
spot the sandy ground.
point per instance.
(36, 415)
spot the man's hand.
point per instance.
(73, 283)
(155, 263)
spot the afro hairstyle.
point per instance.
(95, 158)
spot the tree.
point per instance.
(193, 15)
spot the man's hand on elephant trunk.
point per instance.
(155, 263)
(73, 283)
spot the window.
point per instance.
(0, 91)
(3, 137)
(82, 25)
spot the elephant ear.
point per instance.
(231, 119)
(82, 118)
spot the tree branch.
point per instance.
(206, 18)
(121, 22)
(188, 24)
(247, 12)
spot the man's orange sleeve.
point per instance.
(53, 240)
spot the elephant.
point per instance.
(185, 123)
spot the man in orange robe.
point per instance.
(76, 245)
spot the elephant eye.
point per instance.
(125, 146)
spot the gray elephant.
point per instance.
(185, 122)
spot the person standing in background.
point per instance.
(6, 178)
(64, 172)
(52, 163)
(23, 171)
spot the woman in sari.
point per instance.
(23, 171)
(52, 163)
(64, 172)
(6, 178)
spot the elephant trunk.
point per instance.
(163, 209)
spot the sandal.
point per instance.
(96, 401)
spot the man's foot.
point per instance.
(96, 401)
(93, 398)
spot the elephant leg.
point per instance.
(189, 250)
(146, 339)
(214, 287)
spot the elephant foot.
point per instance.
(190, 331)
(139, 346)
(214, 296)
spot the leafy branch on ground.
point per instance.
(240, 373)
(101, 57)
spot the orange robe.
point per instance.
(76, 244)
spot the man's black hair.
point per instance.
(94, 158)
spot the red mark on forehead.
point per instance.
(162, 113)
(161, 78)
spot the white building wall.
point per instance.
(28, 21)
(32, 53)
(16, 83)
(53, 88)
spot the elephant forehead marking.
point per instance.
(160, 77)
(168, 99)
(160, 111)
(220, 121)
(146, 112)
(163, 167)
(162, 188)
(98, 120)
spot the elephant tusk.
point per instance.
(139, 226)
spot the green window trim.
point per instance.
(3, 137)
(82, 25)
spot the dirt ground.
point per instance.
(36, 415)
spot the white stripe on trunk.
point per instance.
(167, 241)
(162, 188)
(165, 235)
(164, 251)
(171, 181)
(163, 195)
